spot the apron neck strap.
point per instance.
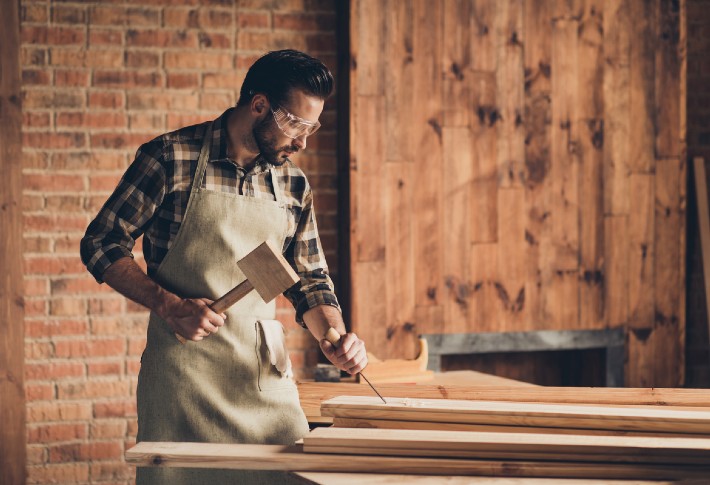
(202, 160)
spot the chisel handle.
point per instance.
(226, 301)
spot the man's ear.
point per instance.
(259, 103)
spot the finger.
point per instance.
(327, 347)
(346, 343)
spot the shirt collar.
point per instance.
(220, 140)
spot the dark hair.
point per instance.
(277, 73)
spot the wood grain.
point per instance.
(276, 457)
(13, 455)
(516, 414)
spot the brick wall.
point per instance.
(698, 352)
(99, 79)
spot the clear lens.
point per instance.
(292, 125)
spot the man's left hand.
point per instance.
(350, 355)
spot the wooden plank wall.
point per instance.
(519, 165)
(12, 393)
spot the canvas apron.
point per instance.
(223, 389)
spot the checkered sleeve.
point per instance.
(126, 213)
(305, 254)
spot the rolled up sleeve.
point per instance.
(127, 212)
(305, 254)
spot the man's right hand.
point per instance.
(192, 317)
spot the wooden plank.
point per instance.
(538, 118)
(430, 425)
(526, 414)
(457, 63)
(399, 88)
(510, 79)
(369, 305)
(617, 114)
(381, 479)
(517, 446)
(590, 112)
(669, 352)
(484, 192)
(641, 250)
(616, 287)
(456, 246)
(510, 280)
(402, 333)
(369, 61)
(427, 141)
(486, 307)
(668, 77)
(312, 394)
(13, 455)
(701, 194)
(484, 35)
(276, 457)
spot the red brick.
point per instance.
(53, 371)
(38, 412)
(204, 60)
(62, 473)
(74, 452)
(36, 77)
(183, 80)
(35, 308)
(107, 428)
(93, 120)
(51, 328)
(73, 286)
(36, 244)
(103, 471)
(51, 99)
(53, 35)
(71, 78)
(105, 368)
(39, 392)
(33, 13)
(119, 325)
(94, 160)
(161, 38)
(52, 183)
(55, 265)
(65, 203)
(115, 408)
(90, 348)
(114, 141)
(109, 37)
(107, 99)
(50, 433)
(104, 182)
(32, 203)
(128, 79)
(208, 19)
(92, 389)
(54, 140)
(96, 57)
(162, 101)
(211, 40)
(143, 58)
(67, 307)
(300, 21)
(33, 56)
(36, 287)
(63, 14)
(133, 367)
(40, 121)
(34, 159)
(136, 346)
(36, 454)
(54, 222)
(253, 20)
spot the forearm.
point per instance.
(319, 318)
(127, 278)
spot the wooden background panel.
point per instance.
(542, 142)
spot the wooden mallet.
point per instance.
(266, 271)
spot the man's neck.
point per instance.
(238, 132)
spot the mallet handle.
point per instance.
(226, 301)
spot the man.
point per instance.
(203, 197)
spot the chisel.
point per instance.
(333, 337)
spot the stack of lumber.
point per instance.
(582, 440)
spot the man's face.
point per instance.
(274, 145)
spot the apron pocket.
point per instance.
(275, 369)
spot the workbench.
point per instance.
(330, 469)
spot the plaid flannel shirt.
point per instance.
(151, 199)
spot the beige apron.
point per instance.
(223, 389)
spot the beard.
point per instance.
(263, 134)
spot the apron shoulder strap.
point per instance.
(278, 193)
(201, 165)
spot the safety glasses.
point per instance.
(292, 126)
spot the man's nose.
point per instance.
(300, 142)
